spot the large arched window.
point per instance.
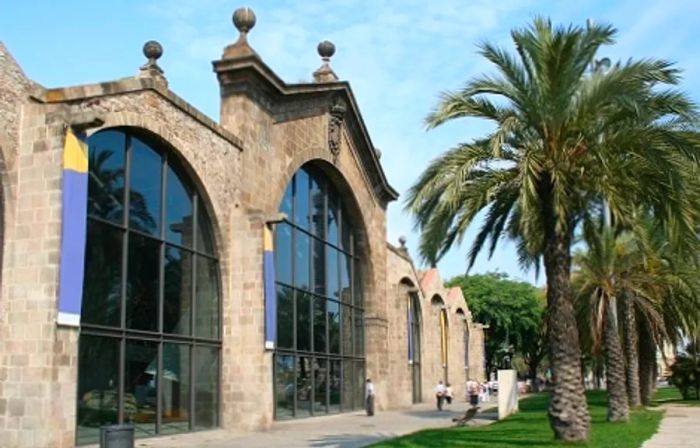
(150, 320)
(415, 344)
(319, 356)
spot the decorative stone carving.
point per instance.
(335, 124)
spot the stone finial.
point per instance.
(402, 241)
(244, 21)
(153, 50)
(325, 73)
(378, 152)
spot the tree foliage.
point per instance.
(512, 309)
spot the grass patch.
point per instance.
(530, 428)
(671, 395)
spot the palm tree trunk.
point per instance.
(568, 410)
(630, 331)
(618, 409)
(647, 355)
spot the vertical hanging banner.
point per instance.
(269, 287)
(410, 330)
(73, 228)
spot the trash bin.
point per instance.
(117, 436)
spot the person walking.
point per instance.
(448, 393)
(473, 392)
(440, 394)
(369, 398)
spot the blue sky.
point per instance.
(398, 56)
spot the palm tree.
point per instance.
(602, 274)
(565, 141)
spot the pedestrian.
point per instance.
(369, 398)
(448, 393)
(473, 392)
(440, 394)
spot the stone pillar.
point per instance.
(507, 393)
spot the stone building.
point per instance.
(180, 325)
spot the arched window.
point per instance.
(150, 322)
(439, 304)
(461, 316)
(415, 344)
(319, 353)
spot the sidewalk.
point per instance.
(342, 431)
(680, 428)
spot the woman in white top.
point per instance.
(369, 397)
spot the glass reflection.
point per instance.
(283, 253)
(301, 260)
(98, 400)
(177, 291)
(304, 386)
(346, 328)
(175, 389)
(285, 317)
(333, 309)
(106, 176)
(140, 386)
(345, 275)
(348, 380)
(301, 199)
(320, 385)
(206, 387)
(332, 218)
(303, 321)
(102, 282)
(332, 286)
(320, 336)
(284, 387)
(318, 209)
(142, 283)
(207, 298)
(144, 188)
(334, 383)
(178, 210)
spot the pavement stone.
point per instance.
(680, 427)
(351, 430)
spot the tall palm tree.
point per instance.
(601, 276)
(565, 140)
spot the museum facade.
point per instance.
(167, 270)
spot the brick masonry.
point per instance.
(241, 166)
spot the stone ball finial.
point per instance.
(326, 50)
(153, 50)
(378, 152)
(244, 19)
(402, 240)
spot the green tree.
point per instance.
(512, 309)
(566, 140)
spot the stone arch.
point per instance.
(163, 137)
(318, 159)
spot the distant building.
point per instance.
(137, 278)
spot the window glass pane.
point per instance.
(319, 325)
(345, 291)
(333, 310)
(177, 291)
(303, 321)
(207, 298)
(205, 241)
(106, 179)
(178, 211)
(346, 231)
(318, 209)
(320, 386)
(206, 387)
(304, 386)
(175, 398)
(140, 386)
(301, 260)
(319, 261)
(346, 328)
(283, 253)
(359, 384)
(98, 367)
(348, 380)
(332, 273)
(142, 283)
(332, 217)
(301, 199)
(285, 317)
(103, 273)
(145, 183)
(334, 386)
(284, 387)
(286, 204)
(359, 333)
(357, 283)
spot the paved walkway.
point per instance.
(341, 431)
(680, 427)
